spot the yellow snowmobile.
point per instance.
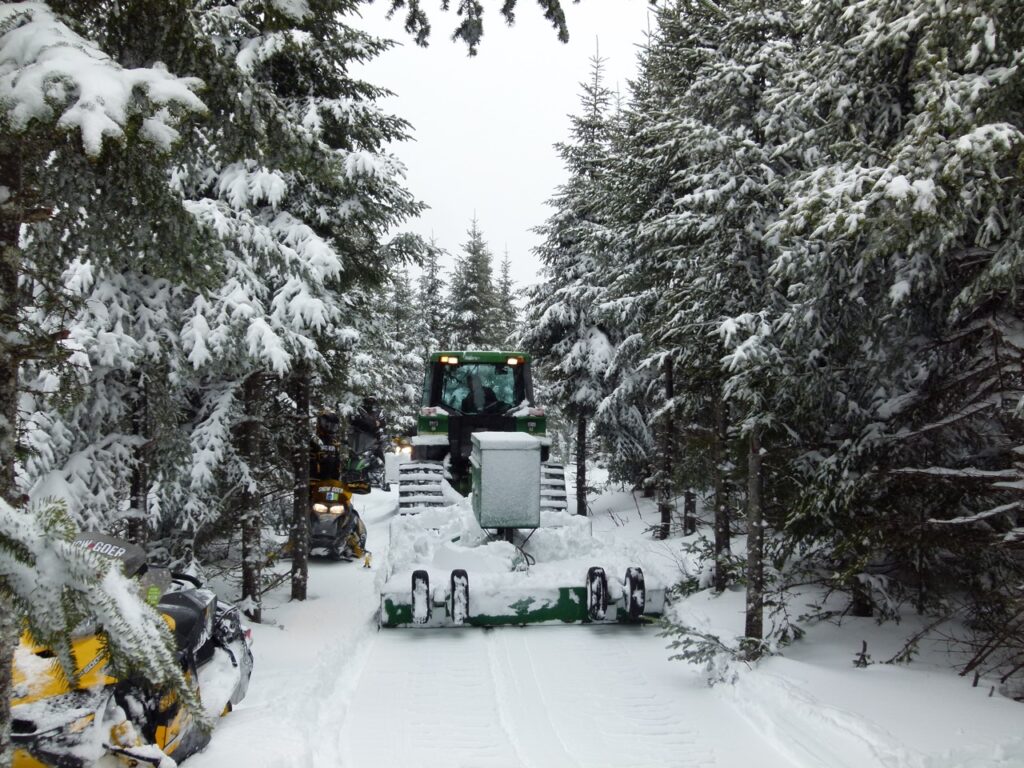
(56, 724)
(335, 527)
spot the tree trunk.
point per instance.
(9, 634)
(755, 550)
(581, 465)
(11, 216)
(665, 489)
(689, 512)
(252, 549)
(722, 544)
(299, 533)
(138, 515)
(10, 264)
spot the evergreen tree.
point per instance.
(565, 329)
(60, 97)
(727, 193)
(431, 301)
(472, 301)
(295, 187)
(507, 314)
(902, 266)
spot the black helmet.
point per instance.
(370, 402)
(328, 423)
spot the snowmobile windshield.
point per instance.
(481, 387)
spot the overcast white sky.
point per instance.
(484, 126)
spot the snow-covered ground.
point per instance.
(330, 689)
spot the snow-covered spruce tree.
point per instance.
(312, 199)
(647, 160)
(727, 190)
(61, 97)
(636, 188)
(387, 361)
(507, 313)
(414, 351)
(431, 316)
(288, 178)
(564, 329)
(902, 257)
(472, 302)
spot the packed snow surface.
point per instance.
(329, 689)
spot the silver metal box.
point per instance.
(506, 479)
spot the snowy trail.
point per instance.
(330, 690)
(539, 697)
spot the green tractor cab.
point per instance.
(467, 392)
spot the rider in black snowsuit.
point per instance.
(368, 428)
(326, 449)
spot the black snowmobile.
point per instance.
(335, 528)
(366, 462)
(135, 722)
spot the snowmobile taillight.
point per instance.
(248, 635)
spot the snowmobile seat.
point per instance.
(193, 614)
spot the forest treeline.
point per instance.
(783, 275)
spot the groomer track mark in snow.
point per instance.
(330, 690)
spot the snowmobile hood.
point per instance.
(131, 556)
(38, 674)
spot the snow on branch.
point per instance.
(1003, 509)
(49, 72)
(974, 408)
(967, 473)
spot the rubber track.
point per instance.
(420, 485)
(552, 487)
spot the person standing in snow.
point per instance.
(326, 449)
(368, 425)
